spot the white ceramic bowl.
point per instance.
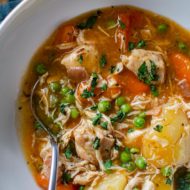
(20, 35)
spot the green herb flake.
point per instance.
(107, 165)
(94, 80)
(40, 69)
(103, 61)
(37, 125)
(168, 181)
(158, 128)
(68, 152)
(66, 178)
(131, 46)
(130, 130)
(89, 23)
(87, 94)
(96, 119)
(94, 108)
(96, 143)
(112, 69)
(141, 44)
(122, 25)
(120, 116)
(154, 90)
(104, 87)
(62, 107)
(81, 187)
(104, 125)
(146, 76)
(80, 59)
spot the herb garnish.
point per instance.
(131, 46)
(94, 80)
(104, 87)
(120, 116)
(158, 128)
(80, 59)
(87, 94)
(103, 61)
(107, 165)
(104, 125)
(68, 152)
(89, 23)
(95, 107)
(96, 143)
(122, 25)
(96, 119)
(112, 69)
(62, 107)
(141, 44)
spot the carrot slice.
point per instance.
(123, 31)
(181, 65)
(65, 34)
(42, 181)
(131, 84)
(66, 187)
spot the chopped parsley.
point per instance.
(103, 61)
(122, 25)
(131, 46)
(81, 187)
(96, 119)
(112, 69)
(94, 80)
(37, 125)
(107, 165)
(141, 44)
(94, 108)
(87, 94)
(104, 125)
(66, 178)
(89, 23)
(120, 116)
(68, 152)
(62, 107)
(104, 87)
(158, 128)
(168, 181)
(96, 143)
(146, 76)
(80, 59)
(130, 130)
(154, 90)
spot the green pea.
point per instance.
(54, 86)
(182, 46)
(125, 157)
(65, 90)
(166, 171)
(139, 122)
(162, 28)
(104, 106)
(141, 163)
(69, 98)
(134, 150)
(135, 188)
(130, 166)
(126, 108)
(40, 69)
(74, 113)
(120, 101)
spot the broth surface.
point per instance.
(115, 89)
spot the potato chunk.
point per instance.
(170, 145)
(112, 182)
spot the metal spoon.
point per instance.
(53, 141)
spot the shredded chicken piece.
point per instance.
(140, 56)
(85, 178)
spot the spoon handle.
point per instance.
(54, 162)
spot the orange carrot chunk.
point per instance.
(181, 65)
(65, 34)
(131, 84)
